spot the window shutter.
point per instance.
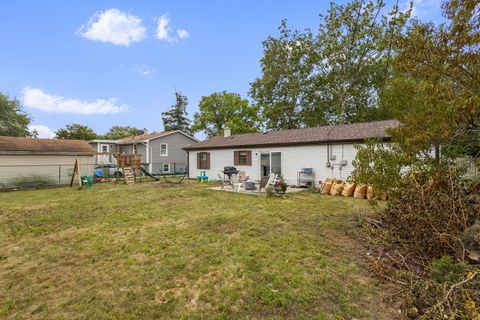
(236, 158)
(249, 158)
(208, 161)
(198, 160)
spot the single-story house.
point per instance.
(49, 160)
(327, 150)
(161, 152)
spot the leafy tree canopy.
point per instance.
(333, 77)
(226, 109)
(13, 120)
(434, 93)
(118, 132)
(76, 131)
(176, 117)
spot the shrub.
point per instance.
(446, 269)
(428, 220)
(422, 241)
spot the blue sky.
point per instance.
(105, 63)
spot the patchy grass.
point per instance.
(149, 252)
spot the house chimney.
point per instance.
(227, 132)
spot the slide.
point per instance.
(148, 174)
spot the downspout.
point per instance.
(148, 156)
(98, 151)
(188, 163)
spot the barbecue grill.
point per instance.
(229, 171)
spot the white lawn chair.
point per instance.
(272, 179)
(236, 184)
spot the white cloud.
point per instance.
(144, 70)
(43, 131)
(37, 99)
(424, 9)
(164, 31)
(114, 26)
(183, 33)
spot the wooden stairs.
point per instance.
(128, 175)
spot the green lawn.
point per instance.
(147, 252)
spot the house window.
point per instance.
(104, 148)
(203, 160)
(164, 150)
(242, 158)
(166, 168)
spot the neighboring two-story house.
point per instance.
(162, 152)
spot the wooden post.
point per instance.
(78, 172)
(75, 169)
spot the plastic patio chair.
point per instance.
(202, 177)
(242, 176)
(236, 184)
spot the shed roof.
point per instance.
(33, 145)
(327, 134)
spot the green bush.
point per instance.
(446, 269)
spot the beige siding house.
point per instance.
(49, 160)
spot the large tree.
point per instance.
(76, 131)
(13, 120)
(226, 109)
(333, 77)
(176, 118)
(436, 91)
(285, 88)
(435, 94)
(118, 132)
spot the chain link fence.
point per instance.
(43, 176)
(166, 168)
(38, 176)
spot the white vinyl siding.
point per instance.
(293, 159)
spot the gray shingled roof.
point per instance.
(32, 145)
(143, 137)
(327, 134)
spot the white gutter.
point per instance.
(98, 151)
(148, 157)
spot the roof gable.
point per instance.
(151, 136)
